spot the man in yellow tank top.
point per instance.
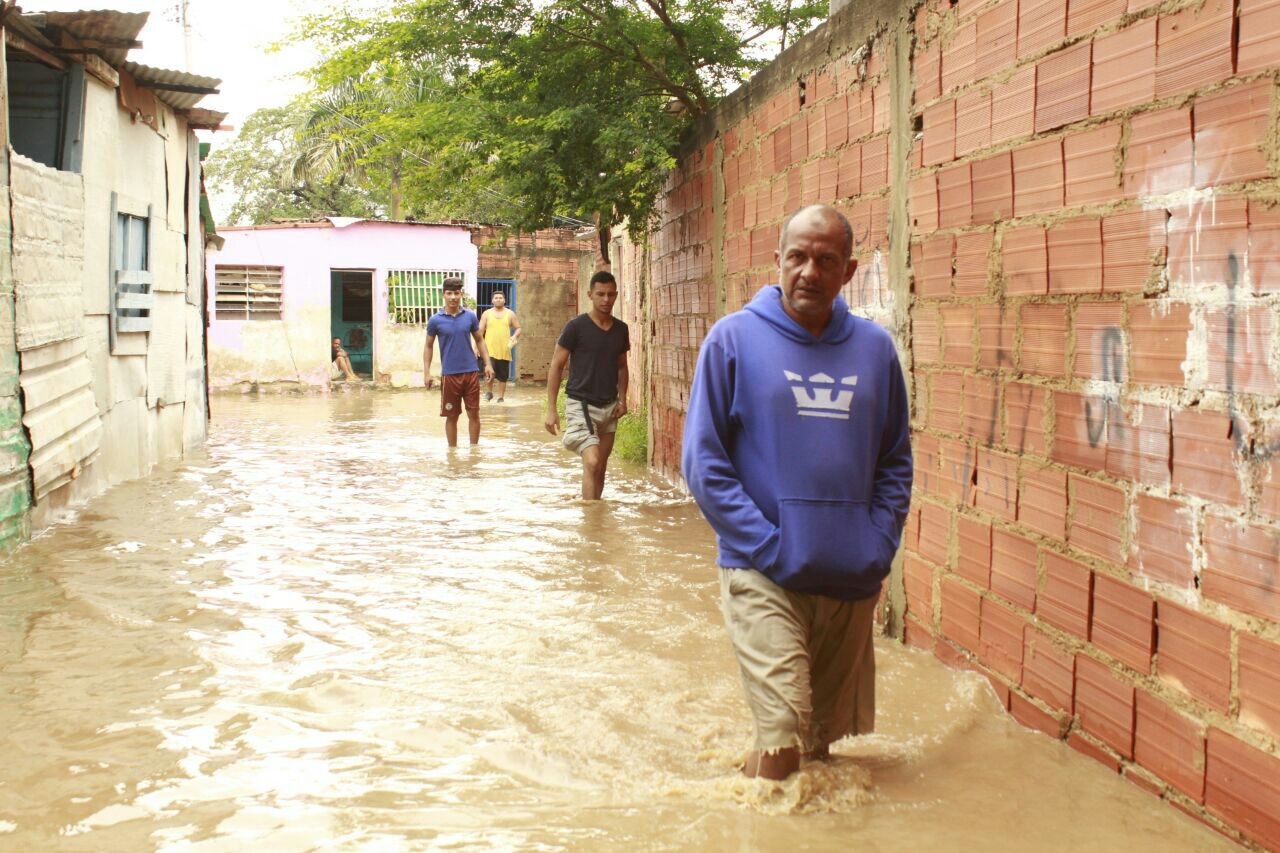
(500, 330)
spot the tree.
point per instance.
(256, 169)
(568, 109)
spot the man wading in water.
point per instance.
(798, 451)
(598, 380)
(459, 379)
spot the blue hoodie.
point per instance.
(798, 449)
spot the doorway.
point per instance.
(485, 288)
(351, 316)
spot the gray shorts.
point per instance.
(808, 662)
(584, 423)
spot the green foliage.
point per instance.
(535, 112)
(256, 168)
(632, 440)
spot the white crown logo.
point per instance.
(822, 402)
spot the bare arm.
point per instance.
(515, 328)
(484, 322)
(428, 353)
(554, 374)
(624, 380)
(478, 337)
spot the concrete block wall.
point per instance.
(1078, 248)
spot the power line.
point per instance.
(577, 223)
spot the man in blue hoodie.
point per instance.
(798, 451)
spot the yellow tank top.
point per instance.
(497, 335)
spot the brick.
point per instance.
(935, 533)
(992, 189)
(1207, 242)
(995, 341)
(1098, 512)
(997, 38)
(925, 328)
(1090, 158)
(940, 133)
(1104, 705)
(1259, 684)
(957, 335)
(1230, 129)
(971, 263)
(1044, 339)
(1264, 246)
(955, 196)
(1087, 747)
(1242, 566)
(1139, 443)
(1204, 455)
(917, 581)
(1124, 68)
(1062, 87)
(1240, 349)
(829, 179)
(1158, 333)
(880, 101)
(1025, 260)
(924, 203)
(1065, 600)
(1041, 23)
(956, 479)
(982, 422)
(1013, 106)
(1042, 501)
(1037, 177)
(861, 112)
(1144, 780)
(1163, 540)
(836, 113)
(1123, 623)
(1025, 406)
(1079, 438)
(1132, 244)
(1085, 16)
(1030, 715)
(1242, 787)
(875, 164)
(1194, 47)
(996, 480)
(973, 122)
(1258, 46)
(959, 58)
(1075, 256)
(1170, 745)
(960, 614)
(950, 655)
(916, 635)
(817, 132)
(1193, 653)
(1158, 157)
(1000, 639)
(928, 69)
(1100, 348)
(937, 260)
(1048, 672)
(973, 556)
(1013, 568)
(926, 455)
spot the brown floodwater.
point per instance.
(328, 632)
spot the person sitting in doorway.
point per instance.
(341, 367)
(501, 330)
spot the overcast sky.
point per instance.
(230, 42)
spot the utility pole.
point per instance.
(184, 10)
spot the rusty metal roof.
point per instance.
(181, 90)
(114, 33)
(203, 119)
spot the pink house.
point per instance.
(279, 294)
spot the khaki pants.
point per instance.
(807, 661)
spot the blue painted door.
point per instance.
(351, 315)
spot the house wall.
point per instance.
(296, 349)
(545, 265)
(1073, 206)
(97, 417)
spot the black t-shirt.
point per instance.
(593, 361)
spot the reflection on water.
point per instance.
(332, 632)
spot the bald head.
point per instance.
(820, 212)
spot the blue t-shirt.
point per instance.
(456, 355)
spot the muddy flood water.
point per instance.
(328, 632)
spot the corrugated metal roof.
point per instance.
(162, 79)
(114, 32)
(203, 119)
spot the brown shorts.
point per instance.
(459, 391)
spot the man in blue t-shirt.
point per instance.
(459, 379)
(595, 346)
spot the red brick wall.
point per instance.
(1089, 318)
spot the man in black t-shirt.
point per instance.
(595, 345)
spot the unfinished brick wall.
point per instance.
(1092, 251)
